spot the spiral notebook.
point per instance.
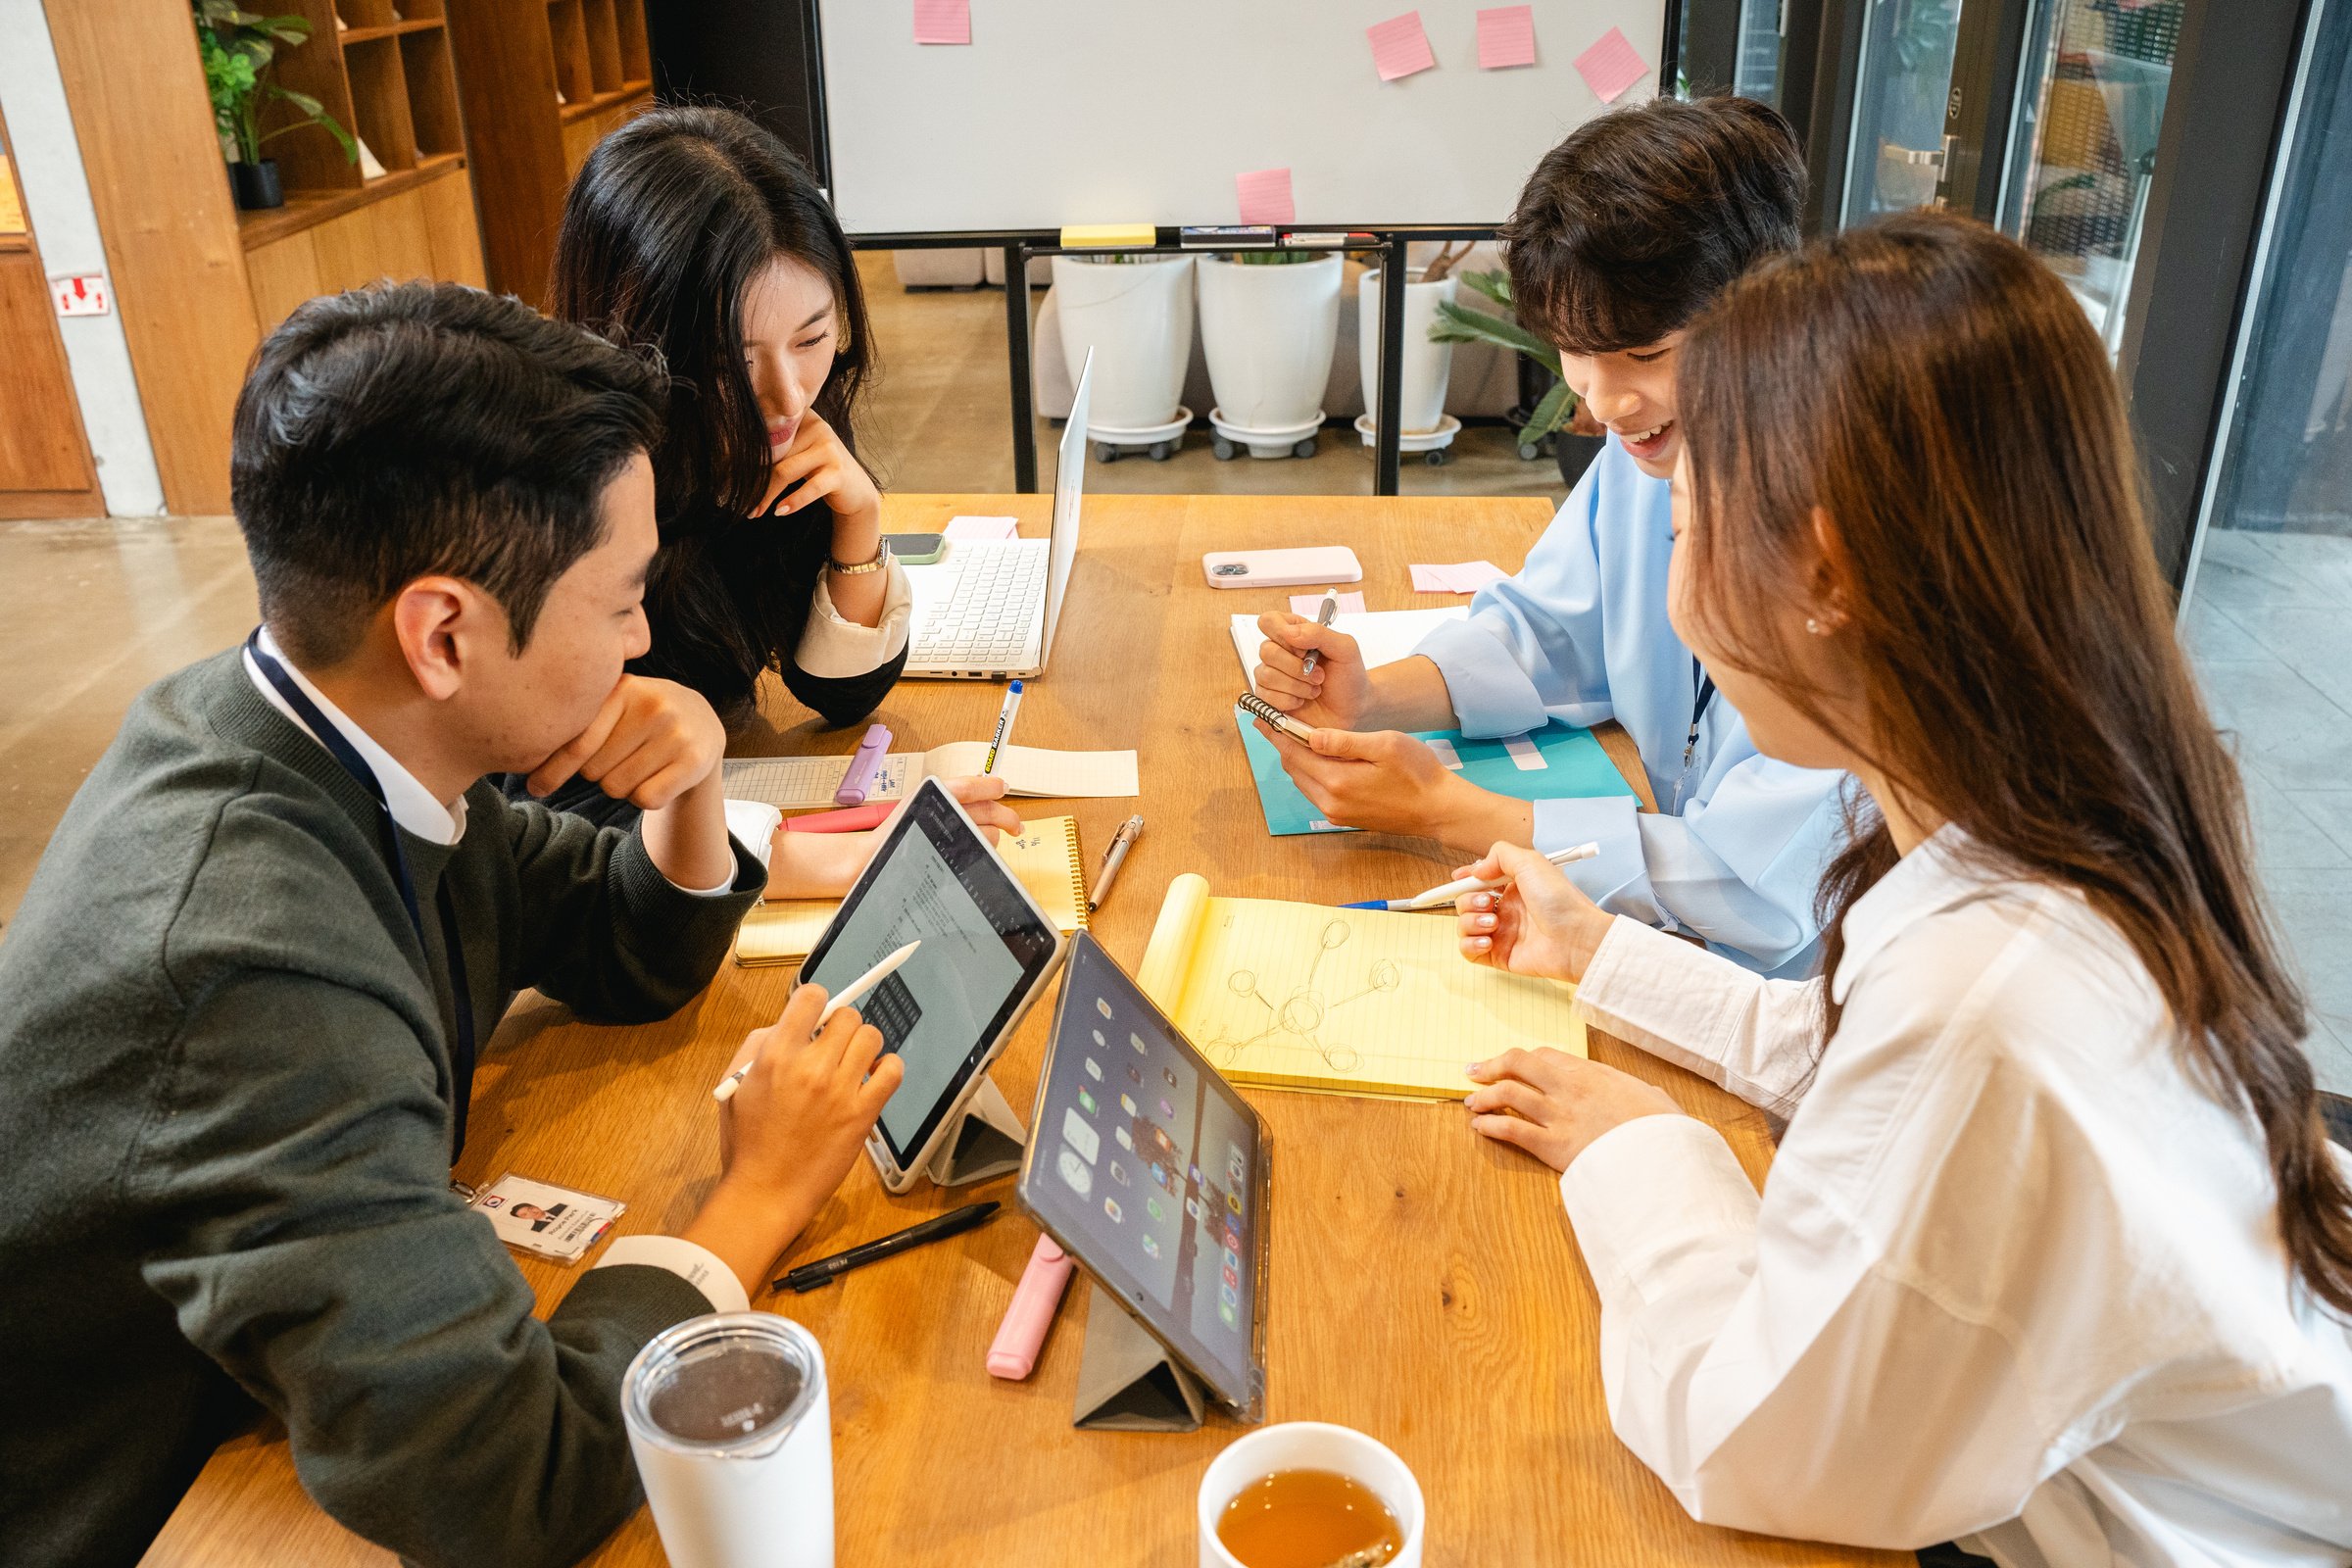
(1044, 855)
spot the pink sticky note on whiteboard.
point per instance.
(1612, 66)
(1265, 195)
(942, 20)
(1400, 47)
(1506, 36)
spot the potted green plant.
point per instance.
(1136, 311)
(1558, 415)
(240, 50)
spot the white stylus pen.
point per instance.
(1437, 898)
(847, 994)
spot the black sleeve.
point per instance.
(844, 698)
(575, 797)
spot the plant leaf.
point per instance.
(1495, 285)
(1551, 412)
(317, 116)
(1457, 324)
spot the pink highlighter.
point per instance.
(1022, 1334)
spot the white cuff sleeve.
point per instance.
(834, 649)
(694, 1264)
(1653, 1198)
(753, 824)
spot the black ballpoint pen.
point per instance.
(809, 1276)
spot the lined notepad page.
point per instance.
(1037, 770)
(1357, 1001)
(1044, 857)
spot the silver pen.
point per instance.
(1116, 856)
(1323, 617)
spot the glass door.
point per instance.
(1902, 84)
(2092, 83)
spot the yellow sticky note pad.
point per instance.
(1105, 236)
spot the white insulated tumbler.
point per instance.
(733, 1435)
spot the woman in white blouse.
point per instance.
(2054, 1257)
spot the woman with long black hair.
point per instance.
(694, 232)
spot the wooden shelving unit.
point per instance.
(541, 83)
(386, 76)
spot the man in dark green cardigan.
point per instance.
(239, 1006)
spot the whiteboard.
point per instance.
(1123, 112)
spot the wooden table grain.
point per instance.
(1424, 1287)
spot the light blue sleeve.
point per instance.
(1738, 867)
(1531, 648)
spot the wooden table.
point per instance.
(1424, 1285)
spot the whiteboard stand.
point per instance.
(1388, 446)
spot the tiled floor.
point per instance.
(2269, 628)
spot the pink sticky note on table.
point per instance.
(1612, 66)
(1470, 576)
(1506, 36)
(942, 20)
(1311, 605)
(1265, 195)
(1432, 580)
(1400, 47)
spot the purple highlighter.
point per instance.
(859, 779)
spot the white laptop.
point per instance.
(987, 611)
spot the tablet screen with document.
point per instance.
(985, 951)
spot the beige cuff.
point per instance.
(834, 649)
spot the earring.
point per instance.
(1816, 627)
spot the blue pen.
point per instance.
(1443, 896)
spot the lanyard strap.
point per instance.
(1699, 709)
(461, 1051)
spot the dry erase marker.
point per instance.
(1012, 706)
(845, 995)
(859, 779)
(1439, 898)
(1257, 706)
(1127, 834)
(1314, 656)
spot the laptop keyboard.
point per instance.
(988, 616)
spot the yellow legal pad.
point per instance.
(1044, 855)
(1354, 1002)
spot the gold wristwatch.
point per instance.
(880, 562)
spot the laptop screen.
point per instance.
(1069, 487)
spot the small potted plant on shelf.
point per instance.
(240, 50)
(1137, 311)
(1557, 418)
(1269, 321)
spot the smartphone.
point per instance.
(1281, 569)
(917, 548)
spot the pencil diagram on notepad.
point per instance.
(1361, 1002)
(1305, 1007)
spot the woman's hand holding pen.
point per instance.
(1539, 922)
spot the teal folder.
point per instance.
(1554, 761)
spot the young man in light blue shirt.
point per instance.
(1623, 233)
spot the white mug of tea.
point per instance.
(1309, 1495)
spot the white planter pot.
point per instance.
(1138, 317)
(1427, 364)
(1268, 332)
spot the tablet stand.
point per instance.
(986, 1139)
(1127, 1381)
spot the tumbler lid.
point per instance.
(733, 1385)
